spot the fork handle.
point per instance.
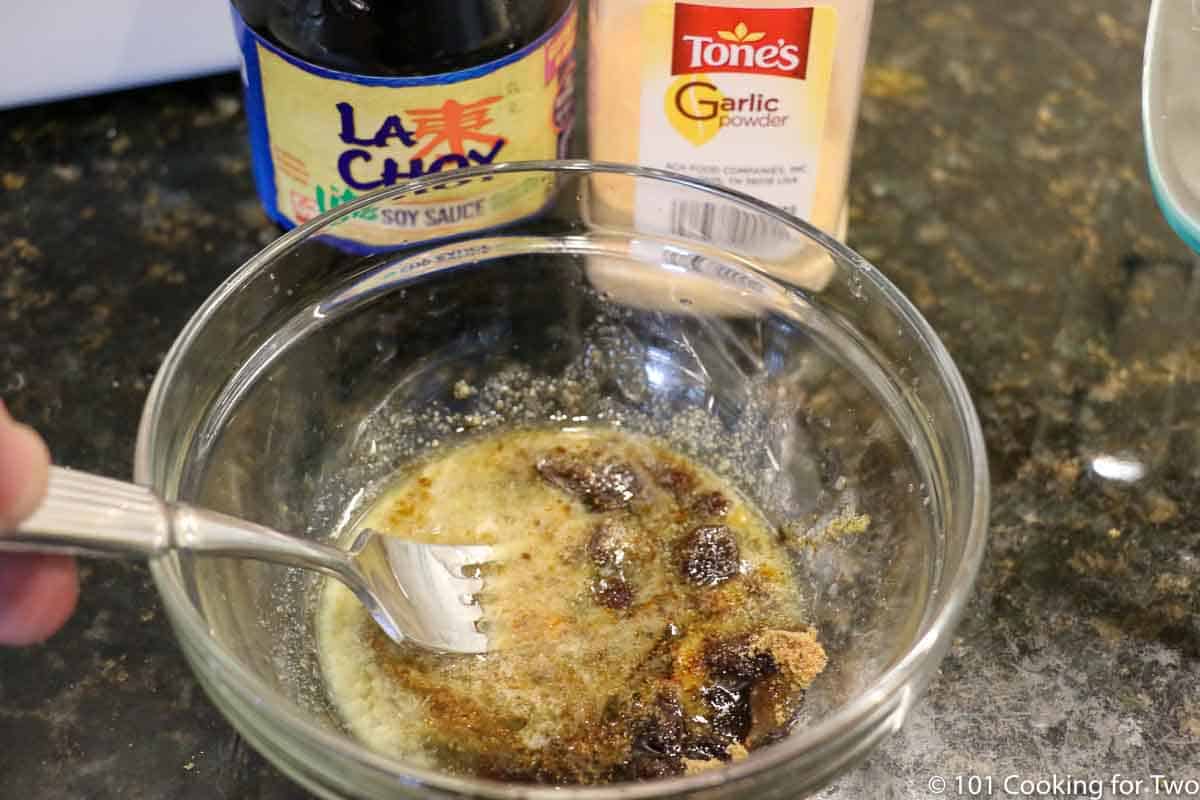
(85, 514)
(89, 515)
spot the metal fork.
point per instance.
(424, 593)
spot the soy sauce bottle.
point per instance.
(348, 96)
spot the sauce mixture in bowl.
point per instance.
(645, 618)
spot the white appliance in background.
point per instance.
(54, 49)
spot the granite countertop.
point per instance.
(999, 180)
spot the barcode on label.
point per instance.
(724, 224)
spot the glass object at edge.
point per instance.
(1171, 113)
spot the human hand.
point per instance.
(37, 592)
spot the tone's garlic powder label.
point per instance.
(739, 98)
(321, 138)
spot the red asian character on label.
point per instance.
(761, 41)
(454, 124)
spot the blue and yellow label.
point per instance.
(320, 137)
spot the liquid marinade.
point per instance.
(644, 617)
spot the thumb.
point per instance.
(24, 462)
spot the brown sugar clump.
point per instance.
(709, 555)
(766, 673)
(612, 592)
(602, 487)
(738, 659)
(798, 653)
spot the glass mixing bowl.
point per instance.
(623, 297)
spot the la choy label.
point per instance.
(321, 138)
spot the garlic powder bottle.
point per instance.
(759, 96)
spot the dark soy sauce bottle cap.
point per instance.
(400, 37)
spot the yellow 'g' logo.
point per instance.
(692, 105)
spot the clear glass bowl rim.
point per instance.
(844, 722)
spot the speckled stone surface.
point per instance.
(999, 180)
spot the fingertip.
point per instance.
(37, 595)
(24, 464)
